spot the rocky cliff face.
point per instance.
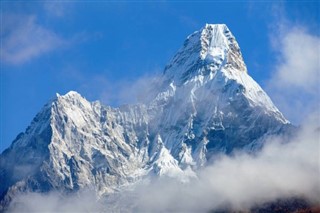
(206, 104)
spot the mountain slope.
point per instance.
(206, 104)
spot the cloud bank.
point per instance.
(85, 201)
(243, 181)
(238, 182)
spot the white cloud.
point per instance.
(299, 65)
(295, 83)
(24, 39)
(84, 201)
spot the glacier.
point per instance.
(206, 103)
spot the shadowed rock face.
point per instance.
(206, 104)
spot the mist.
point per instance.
(242, 181)
(84, 201)
(239, 182)
(141, 90)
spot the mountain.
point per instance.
(205, 104)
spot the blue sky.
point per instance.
(99, 48)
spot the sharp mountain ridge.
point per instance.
(206, 104)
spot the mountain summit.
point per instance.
(211, 48)
(207, 104)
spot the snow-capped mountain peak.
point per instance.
(205, 51)
(206, 104)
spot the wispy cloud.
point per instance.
(188, 21)
(24, 39)
(295, 82)
(110, 91)
(140, 90)
(57, 8)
